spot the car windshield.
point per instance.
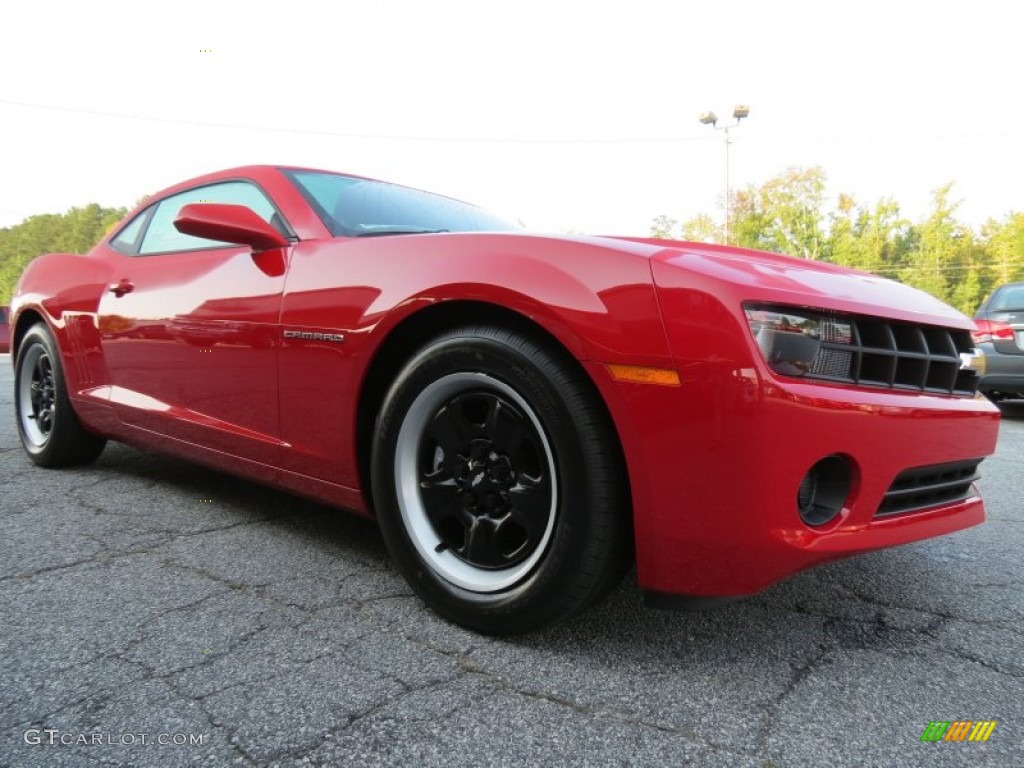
(1008, 298)
(357, 207)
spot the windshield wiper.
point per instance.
(398, 229)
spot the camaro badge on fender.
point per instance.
(313, 336)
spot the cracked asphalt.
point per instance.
(142, 597)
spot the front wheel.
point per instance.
(498, 482)
(50, 431)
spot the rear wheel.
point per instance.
(498, 482)
(50, 431)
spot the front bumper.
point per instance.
(716, 465)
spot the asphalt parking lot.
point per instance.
(143, 600)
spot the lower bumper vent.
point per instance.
(924, 487)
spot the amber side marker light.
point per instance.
(642, 374)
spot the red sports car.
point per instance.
(522, 414)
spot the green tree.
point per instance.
(940, 255)
(698, 229)
(943, 254)
(76, 231)
(873, 240)
(1004, 247)
(663, 227)
(783, 215)
(702, 229)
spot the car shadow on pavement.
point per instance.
(879, 599)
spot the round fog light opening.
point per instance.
(824, 490)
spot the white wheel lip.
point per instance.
(29, 429)
(421, 532)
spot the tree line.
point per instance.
(941, 255)
(76, 231)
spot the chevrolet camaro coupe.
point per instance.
(524, 415)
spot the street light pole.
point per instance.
(710, 118)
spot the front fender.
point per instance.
(597, 299)
(64, 290)
(56, 283)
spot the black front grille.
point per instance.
(924, 487)
(877, 353)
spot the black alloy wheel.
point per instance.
(498, 482)
(49, 428)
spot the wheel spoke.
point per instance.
(531, 506)
(442, 502)
(435, 464)
(505, 426)
(480, 546)
(525, 457)
(450, 430)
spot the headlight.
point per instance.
(790, 339)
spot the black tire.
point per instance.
(498, 482)
(49, 428)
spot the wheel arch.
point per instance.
(26, 319)
(63, 441)
(414, 330)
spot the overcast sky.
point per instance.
(566, 115)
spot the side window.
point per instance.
(162, 237)
(127, 239)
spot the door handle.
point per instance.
(121, 288)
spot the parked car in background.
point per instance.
(1000, 335)
(5, 332)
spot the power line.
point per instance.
(364, 136)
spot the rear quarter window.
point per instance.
(1008, 298)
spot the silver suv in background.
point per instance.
(1000, 335)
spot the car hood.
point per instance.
(769, 277)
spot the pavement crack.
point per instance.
(860, 596)
(962, 655)
(773, 709)
(299, 754)
(99, 558)
(234, 585)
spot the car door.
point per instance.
(189, 328)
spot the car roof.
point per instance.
(255, 172)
